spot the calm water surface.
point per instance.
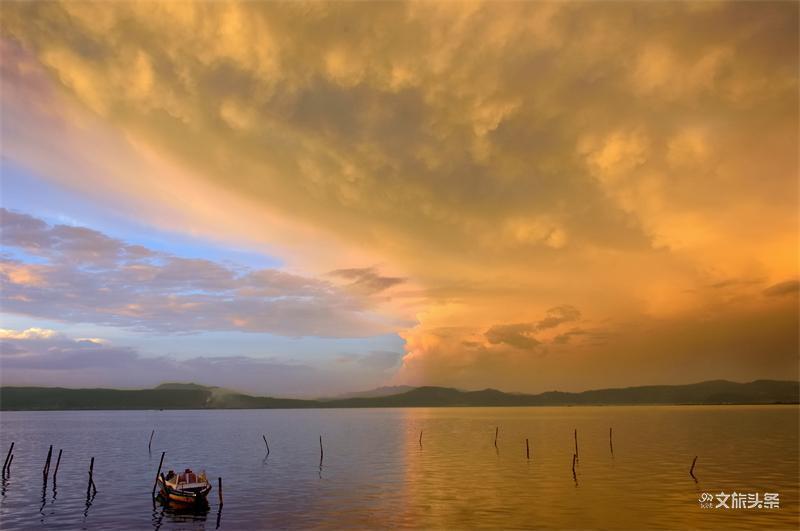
(375, 474)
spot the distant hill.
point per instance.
(56, 398)
(372, 393)
(193, 396)
(184, 386)
(711, 392)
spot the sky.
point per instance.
(306, 199)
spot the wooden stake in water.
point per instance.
(8, 456)
(420, 438)
(691, 470)
(46, 469)
(265, 442)
(91, 486)
(221, 502)
(8, 466)
(58, 462)
(576, 444)
(527, 449)
(321, 453)
(610, 441)
(158, 474)
(496, 431)
(149, 444)
(574, 476)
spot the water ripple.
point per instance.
(375, 473)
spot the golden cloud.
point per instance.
(505, 158)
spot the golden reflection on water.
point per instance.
(459, 479)
(376, 474)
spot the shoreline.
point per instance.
(796, 404)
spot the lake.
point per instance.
(375, 473)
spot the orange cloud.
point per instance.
(25, 275)
(502, 159)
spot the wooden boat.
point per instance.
(185, 489)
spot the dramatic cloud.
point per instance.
(571, 125)
(557, 316)
(788, 287)
(521, 335)
(367, 280)
(645, 351)
(516, 335)
(637, 160)
(83, 276)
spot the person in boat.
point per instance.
(188, 476)
(170, 475)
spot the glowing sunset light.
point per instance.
(303, 199)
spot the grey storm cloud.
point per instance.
(518, 335)
(367, 280)
(788, 287)
(735, 283)
(558, 315)
(522, 335)
(82, 275)
(563, 339)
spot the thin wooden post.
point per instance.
(691, 470)
(91, 486)
(8, 466)
(577, 455)
(220, 491)
(265, 442)
(420, 438)
(496, 431)
(58, 462)
(91, 476)
(574, 458)
(8, 456)
(158, 474)
(149, 444)
(610, 441)
(46, 469)
(527, 449)
(321, 453)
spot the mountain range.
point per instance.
(194, 396)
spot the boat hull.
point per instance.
(185, 498)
